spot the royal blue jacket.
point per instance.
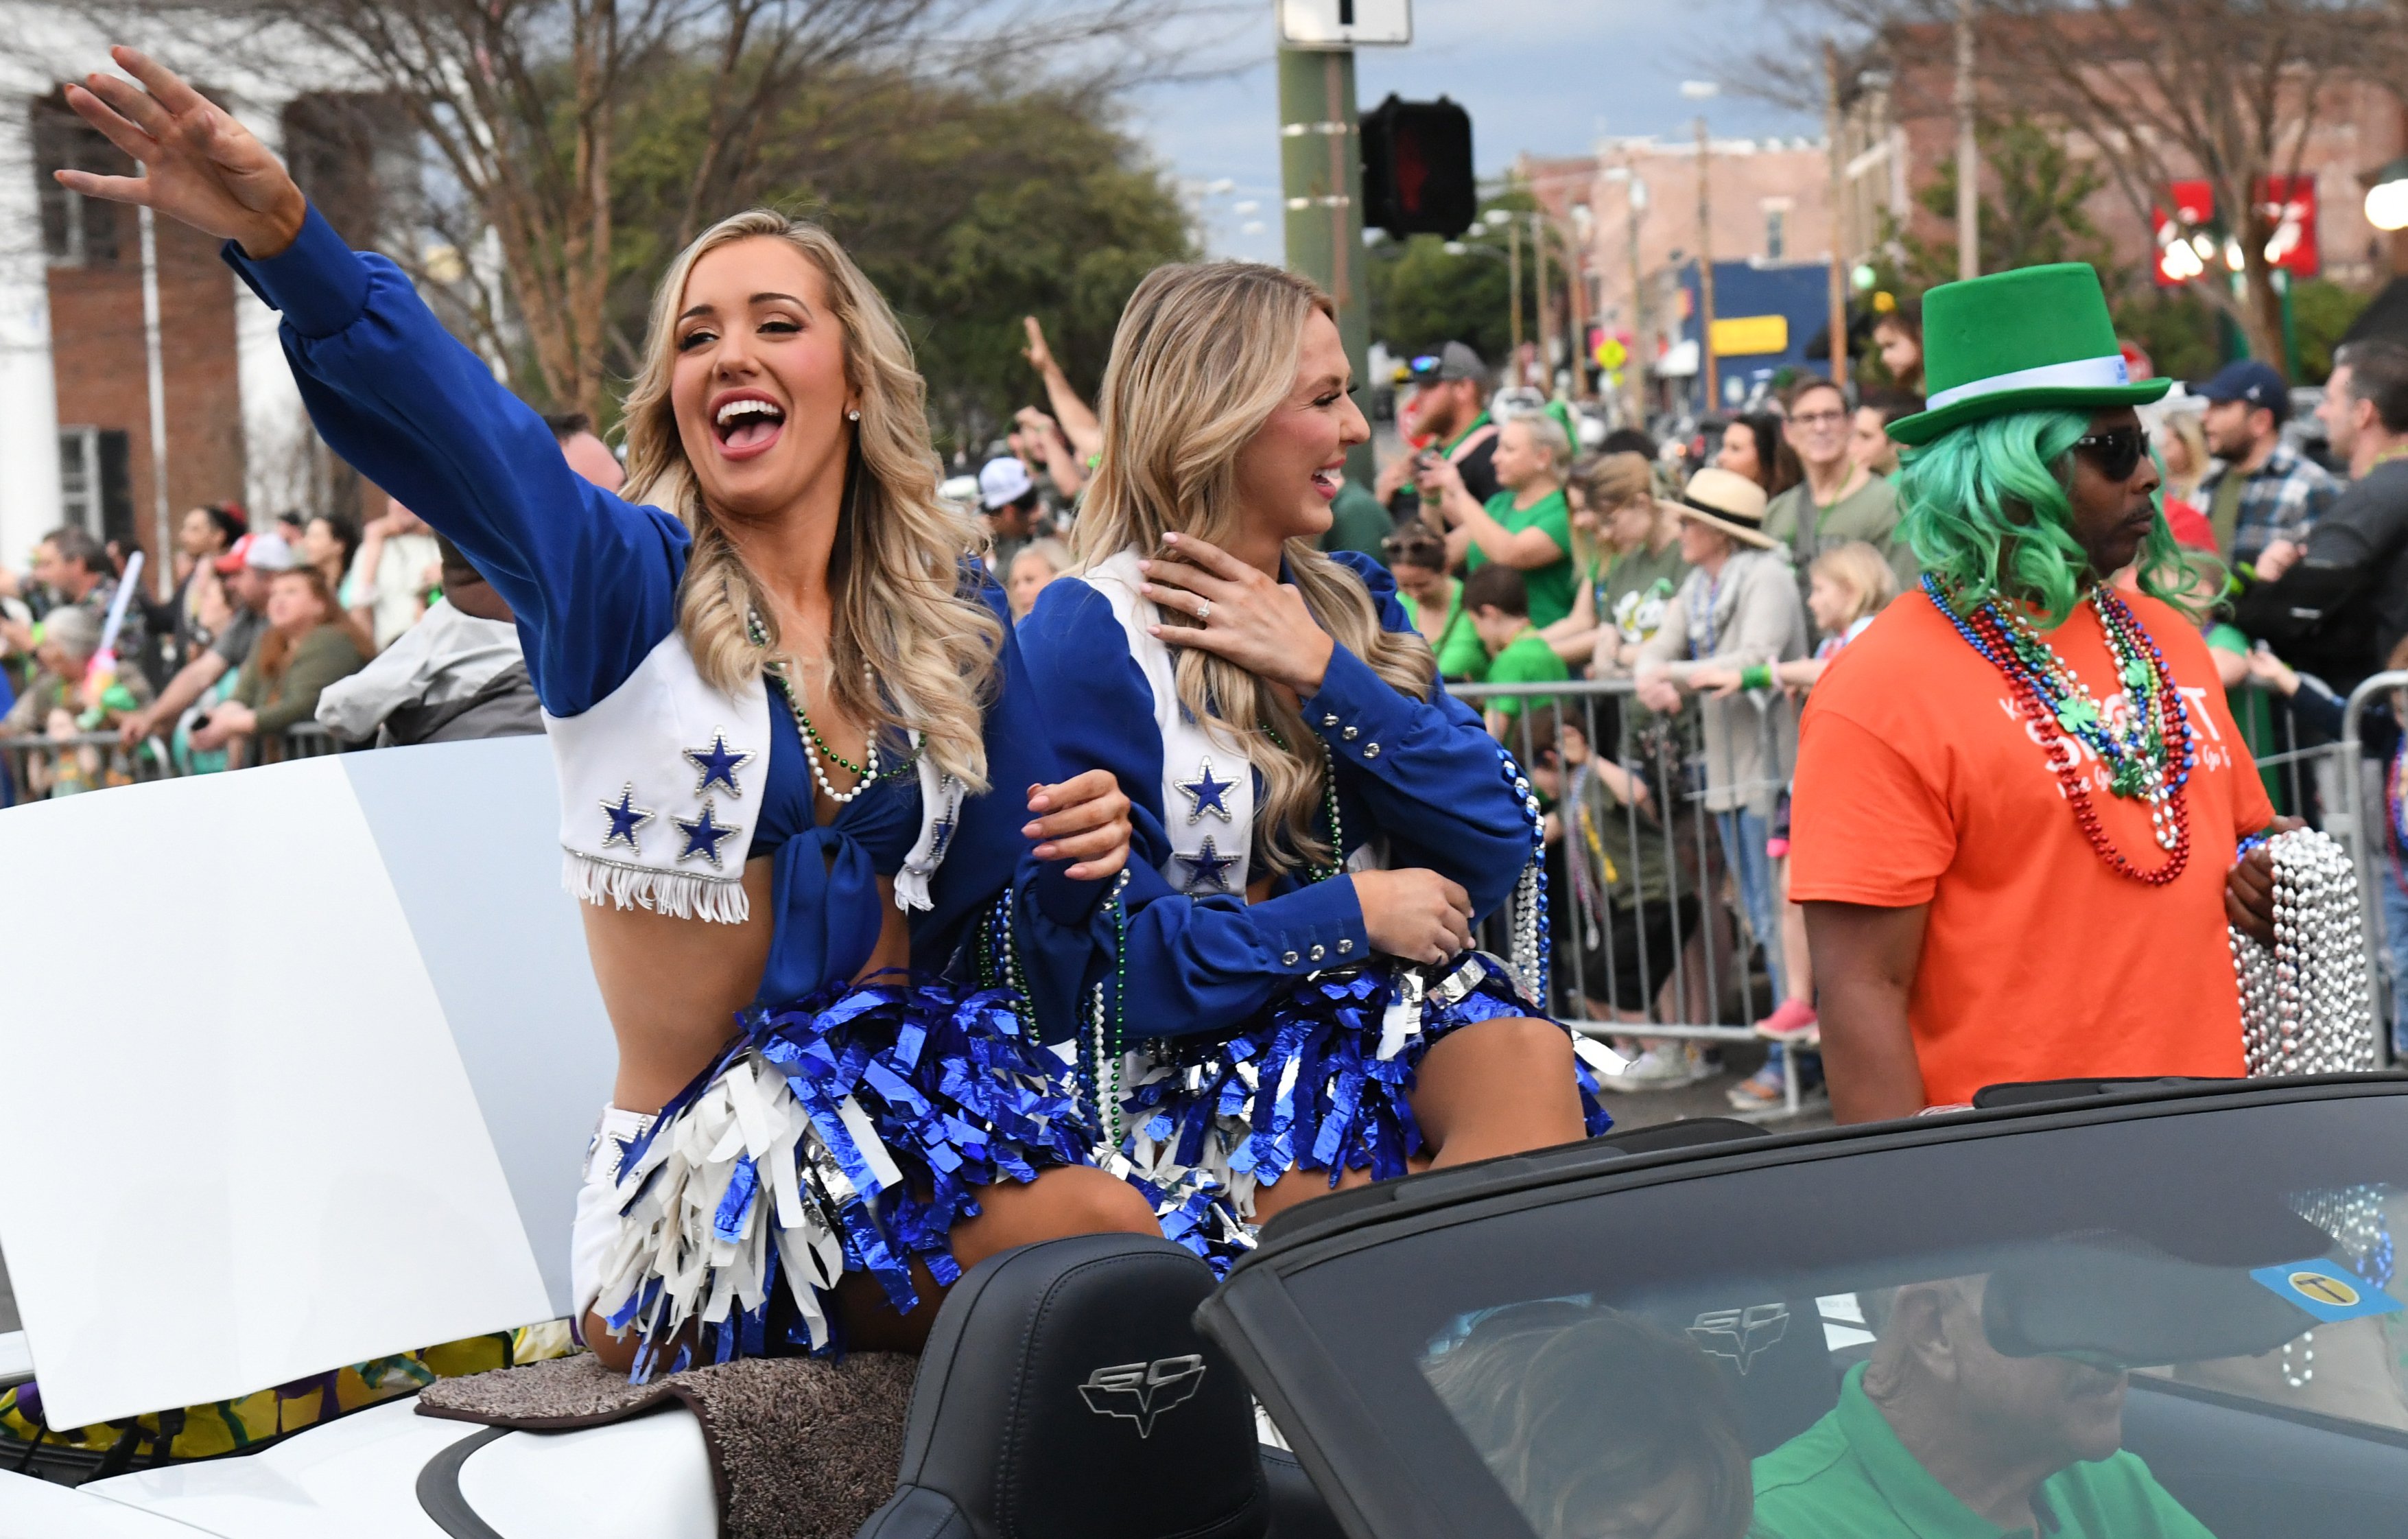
(594, 582)
(1425, 776)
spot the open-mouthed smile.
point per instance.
(746, 422)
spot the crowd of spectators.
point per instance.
(1717, 577)
(1714, 576)
(310, 633)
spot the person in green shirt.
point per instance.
(1527, 526)
(1940, 1436)
(1498, 603)
(1447, 416)
(1358, 522)
(1840, 499)
(1416, 557)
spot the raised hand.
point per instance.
(1261, 626)
(1039, 356)
(200, 166)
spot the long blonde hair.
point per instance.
(909, 645)
(1204, 355)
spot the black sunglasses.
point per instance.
(2117, 452)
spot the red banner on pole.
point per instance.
(2184, 246)
(2190, 241)
(2290, 205)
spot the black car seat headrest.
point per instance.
(1065, 1395)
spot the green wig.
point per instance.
(1989, 513)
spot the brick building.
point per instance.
(75, 376)
(2354, 125)
(1631, 211)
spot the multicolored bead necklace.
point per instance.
(2148, 757)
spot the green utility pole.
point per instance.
(2290, 327)
(1321, 182)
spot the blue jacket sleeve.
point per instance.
(988, 851)
(1188, 964)
(592, 579)
(1426, 771)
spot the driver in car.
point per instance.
(1940, 1436)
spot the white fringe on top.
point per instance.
(681, 895)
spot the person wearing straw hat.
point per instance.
(1737, 608)
(2019, 795)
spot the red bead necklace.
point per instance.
(2067, 764)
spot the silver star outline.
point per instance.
(716, 763)
(626, 818)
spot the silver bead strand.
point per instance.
(2306, 1002)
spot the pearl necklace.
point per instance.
(813, 747)
(865, 773)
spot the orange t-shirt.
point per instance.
(1919, 782)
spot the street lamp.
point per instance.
(2386, 201)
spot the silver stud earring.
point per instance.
(852, 416)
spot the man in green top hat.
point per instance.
(2019, 796)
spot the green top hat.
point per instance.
(2019, 341)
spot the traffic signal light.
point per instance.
(1417, 168)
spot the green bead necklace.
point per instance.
(1337, 865)
(863, 774)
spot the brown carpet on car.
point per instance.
(801, 1448)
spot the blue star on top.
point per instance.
(1205, 794)
(717, 764)
(626, 818)
(1206, 867)
(702, 835)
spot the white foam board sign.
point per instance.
(305, 1056)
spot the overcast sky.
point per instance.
(1547, 77)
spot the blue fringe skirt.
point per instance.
(1318, 1083)
(847, 1132)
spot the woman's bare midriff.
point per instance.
(673, 986)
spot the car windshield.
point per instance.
(2166, 1323)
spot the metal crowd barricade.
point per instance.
(2365, 828)
(2334, 780)
(1710, 988)
(35, 769)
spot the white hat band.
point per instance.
(2080, 374)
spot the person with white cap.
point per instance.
(245, 571)
(1737, 608)
(1008, 496)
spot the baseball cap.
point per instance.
(259, 552)
(2248, 380)
(1449, 361)
(1002, 483)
